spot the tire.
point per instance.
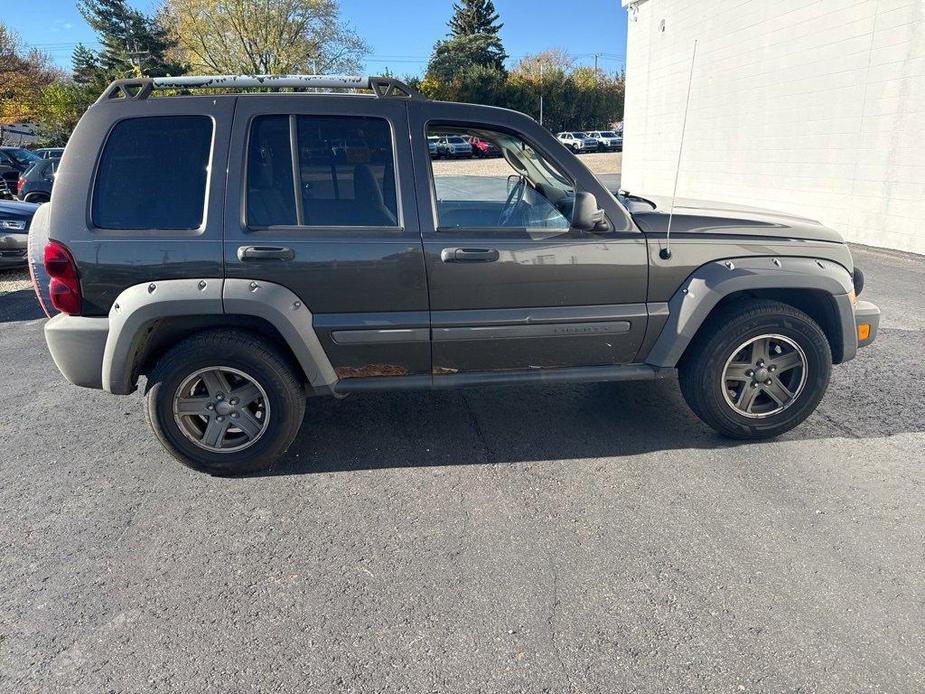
(277, 409)
(731, 344)
(36, 198)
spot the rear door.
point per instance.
(517, 288)
(321, 201)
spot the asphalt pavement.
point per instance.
(587, 538)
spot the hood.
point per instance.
(704, 217)
(17, 210)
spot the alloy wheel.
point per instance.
(764, 376)
(221, 409)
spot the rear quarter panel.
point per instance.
(110, 260)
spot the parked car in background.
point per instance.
(482, 148)
(15, 219)
(50, 152)
(607, 140)
(8, 179)
(453, 147)
(578, 141)
(432, 145)
(35, 184)
(13, 163)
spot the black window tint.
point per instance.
(347, 171)
(270, 193)
(153, 174)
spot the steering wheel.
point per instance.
(512, 204)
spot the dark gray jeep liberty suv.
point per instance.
(258, 241)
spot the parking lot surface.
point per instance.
(585, 538)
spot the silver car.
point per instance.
(608, 140)
(453, 146)
(578, 141)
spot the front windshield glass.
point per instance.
(456, 140)
(608, 133)
(581, 135)
(22, 155)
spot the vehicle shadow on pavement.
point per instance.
(19, 306)
(569, 422)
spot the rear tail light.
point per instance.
(20, 183)
(64, 287)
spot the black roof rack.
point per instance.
(142, 87)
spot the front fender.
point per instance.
(704, 288)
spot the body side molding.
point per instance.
(707, 285)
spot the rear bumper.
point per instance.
(13, 249)
(77, 345)
(866, 313)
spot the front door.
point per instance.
(327, 209)
(512, 286)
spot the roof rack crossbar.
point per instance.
(142, 87)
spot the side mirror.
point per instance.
(586, 215)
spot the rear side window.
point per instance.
(153, 174)
(345, 168)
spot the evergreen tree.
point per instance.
(473, 42)
(86, 65)
(131, 42)
(474, 17)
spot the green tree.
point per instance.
(60, 106)
(451, 57)
(131, 43)
(86, 68)
(474, 17)
(266, 37)
(473, 51)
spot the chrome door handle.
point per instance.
(265, 253)
(469, 255)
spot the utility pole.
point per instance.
(596, 56)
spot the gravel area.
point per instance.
(14, 280)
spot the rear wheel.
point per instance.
(225, 403)
(756, 370)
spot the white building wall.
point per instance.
(814, 107)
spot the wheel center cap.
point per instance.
(761, 374)
(223, 408)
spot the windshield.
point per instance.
(456, 140)
(608, 133)
(21, 155)
(581, 134)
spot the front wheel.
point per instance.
(756, 370)
(224, 402)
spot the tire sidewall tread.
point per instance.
(700, 375)
(249, 353)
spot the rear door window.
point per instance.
(153, 174)
(345, 172)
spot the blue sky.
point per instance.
(401, 36)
